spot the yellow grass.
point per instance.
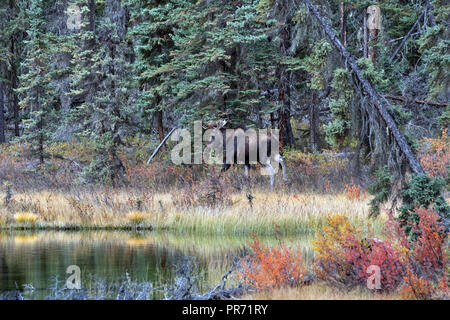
(137, 217)
(302, 213)
(25, 218)
(318, 291)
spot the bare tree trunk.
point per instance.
(92, 16)
(272, 120)
(159, 115)
(13, 79)
(2, 115)
(357, 120)
(430, 15)
(260, 123)
(372, 51)
(380, 104)
(366, 37)
(314, 124)
(284, 92)
(373, 24)
(40, 126)
(15, 101)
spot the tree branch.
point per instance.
(380, 104)
(160, 146)
(403, 99)
(408, 35)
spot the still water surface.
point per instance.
(37, 258)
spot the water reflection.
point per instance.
(37, 258)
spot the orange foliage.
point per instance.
(416, 287)
(322, 171)
(353, 192)
(272, 267)
(429, 249)
(426, 276)
(343, 255)
(435, 155)
(330, 248)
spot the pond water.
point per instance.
(37, 258)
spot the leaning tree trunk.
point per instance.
(380, 104)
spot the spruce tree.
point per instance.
(101, 80)
(37, 89)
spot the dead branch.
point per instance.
(408, 35)
(430, 103)
(160, 146)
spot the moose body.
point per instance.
(243, 146)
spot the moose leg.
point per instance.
(271, 172)
(247, 169)
(225, 167)
(280, 160)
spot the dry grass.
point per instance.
(294, 214)
(25, 218)
(137, 218)
(318, 291)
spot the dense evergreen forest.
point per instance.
(119, 74)
(359, 91)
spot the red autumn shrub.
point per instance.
(418, 268)
(332, 245)
(427, 260)
(429, 249)
(272, 267)
(434, 155)
(381, 254)
(343, 257)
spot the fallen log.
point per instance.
(380, 104)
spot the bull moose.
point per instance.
(253, 148)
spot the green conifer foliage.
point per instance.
(37, 88)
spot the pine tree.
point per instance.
(101, 79)
(37, 89)
(12, 40)
(3, 61)
(201, 60)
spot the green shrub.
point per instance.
(422, 191)
(380, 189)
